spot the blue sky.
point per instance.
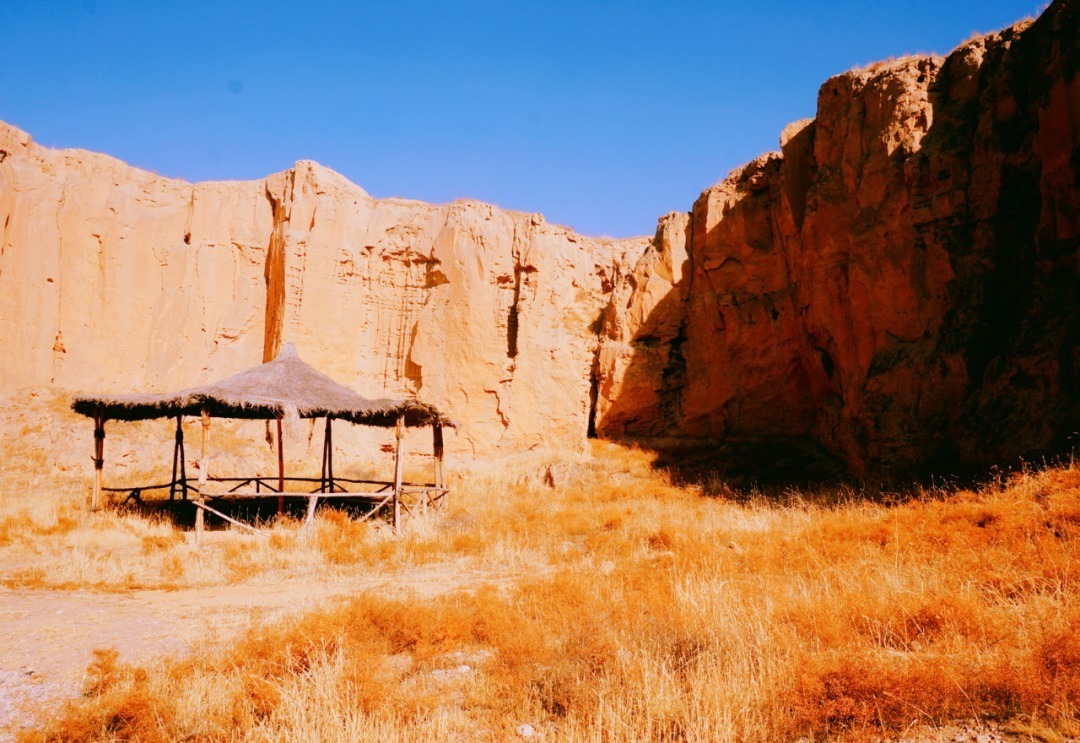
(601, 115)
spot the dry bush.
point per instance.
(339, 538)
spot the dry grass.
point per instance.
(642, 611)
(646, 612)
(49, 540)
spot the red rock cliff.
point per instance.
(898, 283)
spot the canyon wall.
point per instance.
(113, 279)
(898, 283)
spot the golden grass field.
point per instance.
(640, 611)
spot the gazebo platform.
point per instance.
(285, 387)
(373, 497)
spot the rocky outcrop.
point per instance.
(114, 279)
(899, 283)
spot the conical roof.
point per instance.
(282, 387)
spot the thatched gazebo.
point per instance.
(278, 390)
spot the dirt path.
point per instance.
(47, 637)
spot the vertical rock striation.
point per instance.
(115, 279)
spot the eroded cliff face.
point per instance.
(113, 279)
(899, 283)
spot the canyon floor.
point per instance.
(573, 595)
(48, 638)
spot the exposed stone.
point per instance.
(899, 284)
(115, 279)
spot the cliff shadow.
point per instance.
(259, 513)
(649, 411)
(964, 245)
(739, 467)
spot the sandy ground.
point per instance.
(47, 637)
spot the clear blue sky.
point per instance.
(601, 115)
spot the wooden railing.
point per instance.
(378, 493)
(267, 485)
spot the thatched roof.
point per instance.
(284, 387)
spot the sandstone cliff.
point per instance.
(898, 283)
(115, 279)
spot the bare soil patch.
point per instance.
(48, 637)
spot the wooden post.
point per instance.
(183, 457)
(99, 459)
(178, 447)
(330, 453)
(437, 434)
(280, 470)
(204, 467)
(326, 478)
(322, 468)
(398, 467)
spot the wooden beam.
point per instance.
(437, 434)
(204, 467)
(280, 469)
(230, 519)
(312, 502)
(183, 458)
(99, 459)
(252, 495)
(399, 432)
(376, 509)
(330, 453)
(322, 468)
(178, 446)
